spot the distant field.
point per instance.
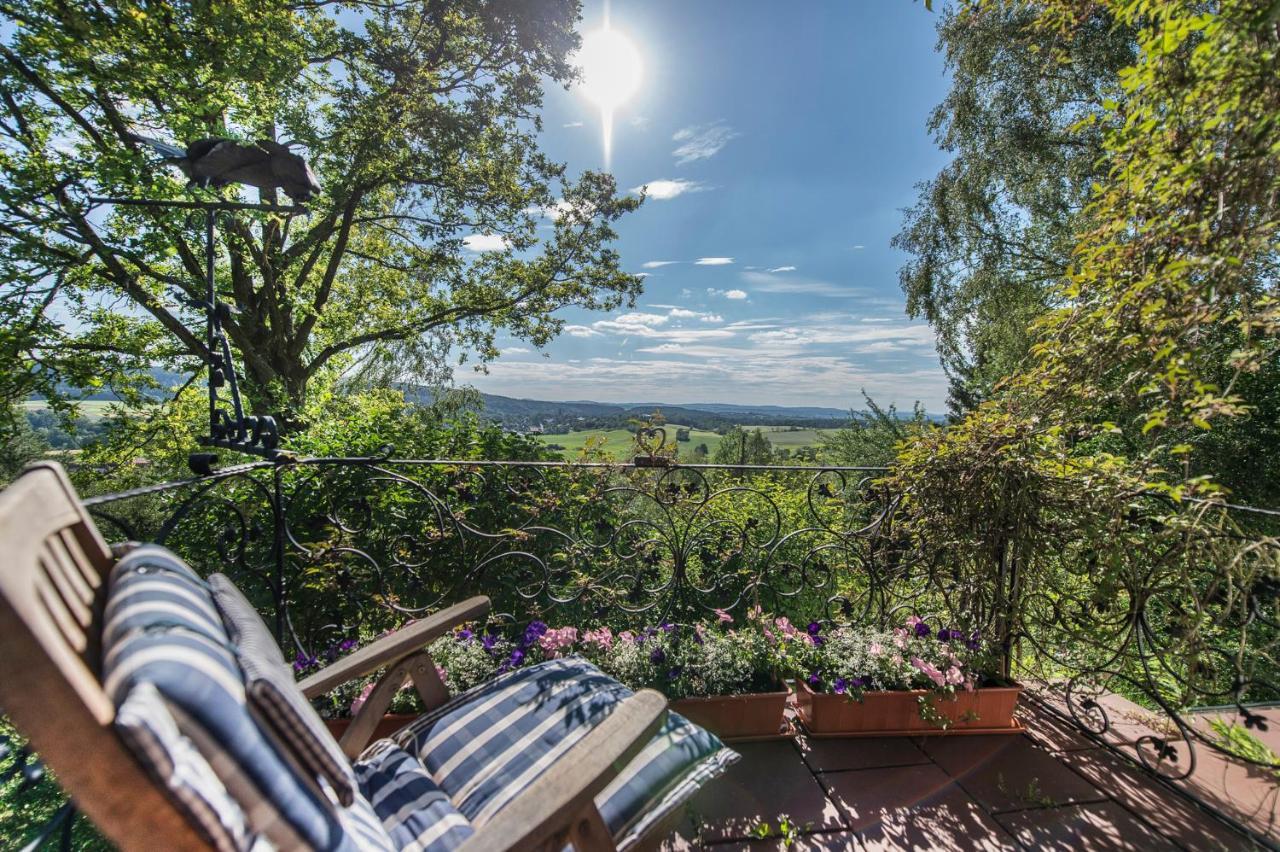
(783, 438)
(618, 442)
(90, 409)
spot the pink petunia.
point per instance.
(784, 624)
(361, 698)
(876, 649)
(725, 618)
(602, 637)
(954, 676)
(930, 671)
(913, 620)
(556, 640)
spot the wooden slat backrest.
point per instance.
(53, 571)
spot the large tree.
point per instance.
(990, 236)
(421, 121)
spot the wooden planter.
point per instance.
(387, 725)
(988, 710)
(736, 717)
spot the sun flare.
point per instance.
(611, 73)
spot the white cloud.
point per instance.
(711, 318)
(515, 350)
(779, 269)
(767, 282)
(657, 264)
(728, 294)
(641, 319)
(699, 142)
(859, 247)
(668, 188)
(572, 124)
(713, 261)
(683, 313)
(486, 242)
(580, 331)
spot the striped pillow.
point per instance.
(274, 694)
(485, 746)
(413, 809)
(161, 628)
(147, 728)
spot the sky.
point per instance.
(780, 143)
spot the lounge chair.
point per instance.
(162, 730)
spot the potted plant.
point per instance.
(910, 680)
(726, 679)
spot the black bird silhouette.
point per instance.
(265, 164)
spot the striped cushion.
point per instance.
(413, 809)
(286, 714)
(159, 632)
(485, 746)
(149, 731)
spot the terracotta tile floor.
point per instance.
(1046, 789)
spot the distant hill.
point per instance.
(767, 411)
(568, 415)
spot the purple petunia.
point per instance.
(922, 629)
(814, 628)
(973, 643)
(840, 686)
(657, 656)
(944, 635)
(674, 673)
(464, 635)
(302, 662)
(814, 680)
(667, 626)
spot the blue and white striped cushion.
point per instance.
(148, 729)
(415, 812)
(485, 746)
(159, 631)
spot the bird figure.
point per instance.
(217, 162)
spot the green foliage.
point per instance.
(25, 810)
(991, 235)
(871, 439)
(740, 446)
(421, 122)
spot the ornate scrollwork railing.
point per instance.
(343, 548)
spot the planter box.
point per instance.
(758, 715)
(386, 726)
(985, 710)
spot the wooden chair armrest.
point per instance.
(550, 808)
(394, 647)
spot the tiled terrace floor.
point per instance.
(1046, 789)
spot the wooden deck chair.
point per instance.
(52, 587)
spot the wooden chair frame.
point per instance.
(53, 572)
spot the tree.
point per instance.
(872, 437)
(420, 120)
(991, 235)
(742, 447)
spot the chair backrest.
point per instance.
(53, 572)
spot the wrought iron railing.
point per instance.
(340, 548)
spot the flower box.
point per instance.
(735, 717)
(985, 710)
(386, 726)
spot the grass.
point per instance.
(619, 442)
(90, 409)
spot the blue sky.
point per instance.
(780, 147)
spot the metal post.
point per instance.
(280, 585)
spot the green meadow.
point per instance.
(618, 443)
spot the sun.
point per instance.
(611, 74)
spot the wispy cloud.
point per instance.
(486, 242)
(515, 350)
(668, 188)
(768, 282)
(658, 264)
(701, 141)
(580, 331)
(859, 247)
(572, 124)
(783, 269)
(736, 295)
(713, 261)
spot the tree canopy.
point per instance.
(440, 224)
